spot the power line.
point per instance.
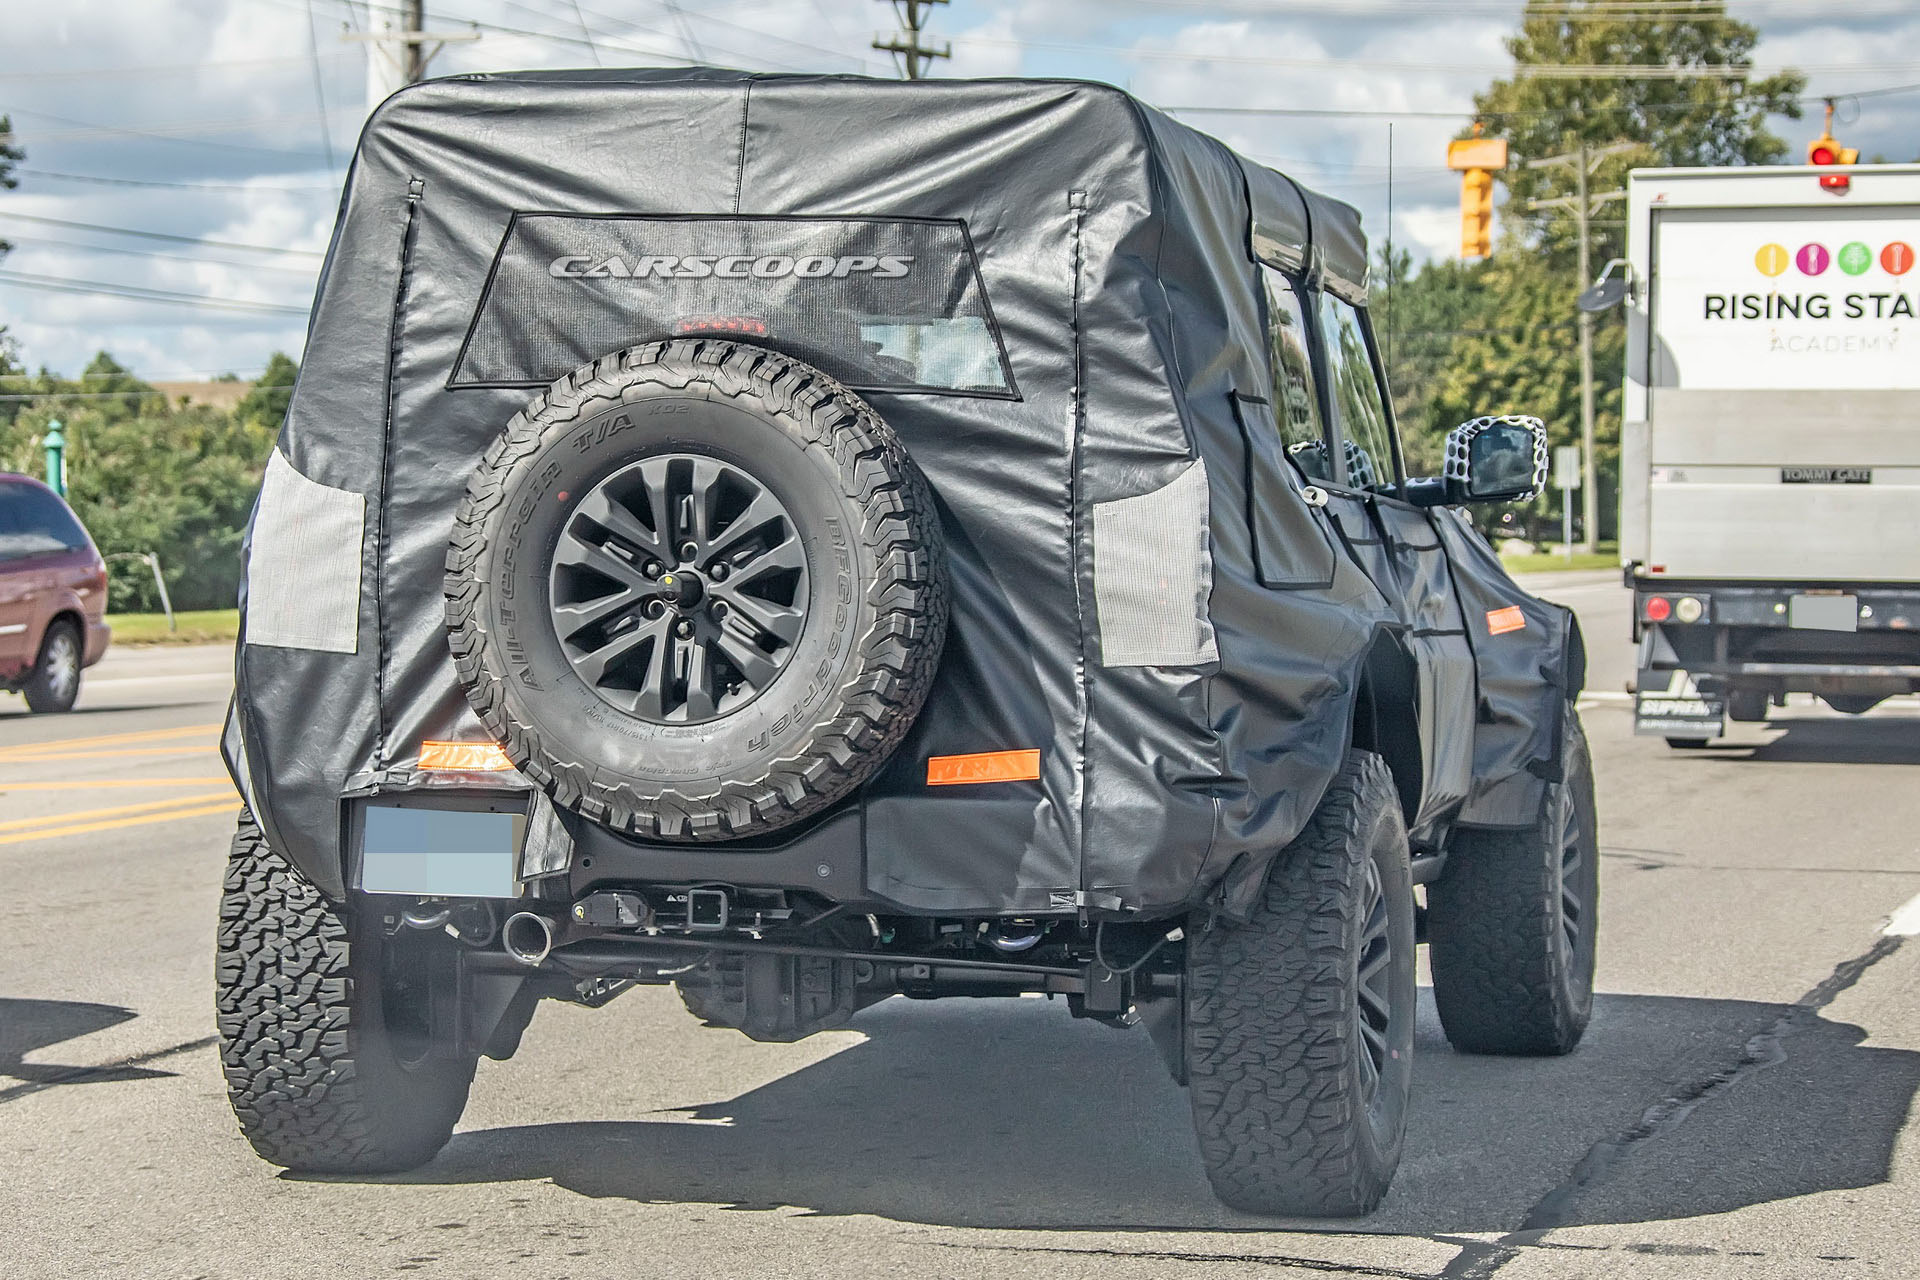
(88, 128)
(161, 235)
(103, 395)
(159, 69)
(581, 18)
(306, 272)
(1568, 71)
(104, 180)
(1564, 12)
(319, 87)
(1410, 113)
(137, 293)
(700, 49)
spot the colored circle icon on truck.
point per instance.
(1771, 259)
(1855, 258)
(1897, 258)
(1812, 259)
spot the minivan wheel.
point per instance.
(55, 680)
(1299, 1023)
(697, 591)
(331, 1060)
(1513, 921)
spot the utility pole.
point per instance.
(913, 16)
(1584, 205)
(396, 59)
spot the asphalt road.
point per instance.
(1742, 1107)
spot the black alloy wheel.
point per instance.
(679, 588)
(1373, 1010)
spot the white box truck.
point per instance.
(1770, 441)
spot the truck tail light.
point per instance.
(1656, 609)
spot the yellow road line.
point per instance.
(172, 802)
(142, 735)
(8, 788)
(101, 755)
(84, 827)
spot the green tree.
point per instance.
(266, 402)
(10, 155)
(1715, 117)
(146, 475)
(1499, 336)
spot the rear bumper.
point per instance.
(1703, 641)
(1886, 608)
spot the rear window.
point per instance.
(878, 303)
(33, 523)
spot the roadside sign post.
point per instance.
(56, 445)
(1566, 475)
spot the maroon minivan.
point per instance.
(53, 596)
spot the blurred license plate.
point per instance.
(449, 853)
(1824, 613)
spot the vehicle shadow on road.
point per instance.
(1854, 740)
(27, 1026)
(17, 710)
(1006, 1114)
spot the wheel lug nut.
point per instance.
(683, 628)
(717, 571)
(653, 608)
(653, 568)
(688, 552)
(719, 610)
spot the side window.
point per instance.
(12, 522)
(35, 523)
(1296, 407)
(1357, 400)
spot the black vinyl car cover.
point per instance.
(1184, 657)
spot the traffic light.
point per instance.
(1824, 151)
(1475, 159)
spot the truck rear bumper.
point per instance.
(1703, 643)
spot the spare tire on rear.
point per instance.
(696, 590)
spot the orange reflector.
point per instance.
(985, 766)
(463, 757)
(1501, 621)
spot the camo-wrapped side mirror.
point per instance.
(1500, 458)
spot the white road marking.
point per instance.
(95, 683)
(1906, 921)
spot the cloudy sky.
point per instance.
(222, 128)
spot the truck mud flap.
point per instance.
(1677, 709)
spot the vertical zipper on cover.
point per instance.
(416, 188)
(1077, 217)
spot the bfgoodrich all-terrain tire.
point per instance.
(329, 1065)
(1299, 1023)
(1512, 923)
(696, 590)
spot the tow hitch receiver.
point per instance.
(706, 910)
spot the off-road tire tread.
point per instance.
(1491, 922)
(1269, 1040)
(858, 725)
(290, 1030)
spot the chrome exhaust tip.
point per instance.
(528, 938)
